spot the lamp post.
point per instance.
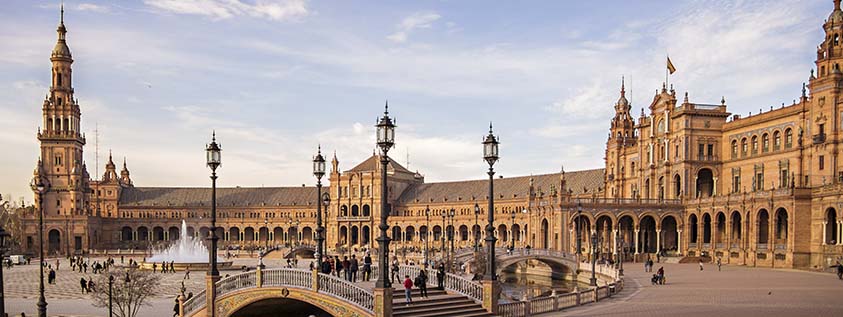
(579, 227)
(490, 154)
(385, 140)
(426, 235)
(443, 233)
(622, 251)
(320, 229)
(213, 161)
(451, 233)
(266, 242)
(476, 233)
(40, 186)
(319, 171)
(4, 239)
(110, 284)
(512, 232)
(593, 280)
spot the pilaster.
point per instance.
(383, 302)
(491, 295)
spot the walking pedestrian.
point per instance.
(346, 265)
(176, 308)
(367, 267)
(701, 265)
(408, 289)
(154, 267)
(51, 276)
(421, 282)
(839, 270)
(91, 285)
(440, 276)
(84, 284)
(187, 273)
(326, 266)
(718, 264)
(660, 272)
(355, 266)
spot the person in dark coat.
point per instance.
(326, 266)
(353, 268)
(84, 285)
(421, 282)
(440, 276)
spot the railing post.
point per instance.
(259, 277)
(596, 295)
(555, 300)
(491, 294)
(383, 302)
(579, 300)
(315, 282)
(181, 305)
(527, 308)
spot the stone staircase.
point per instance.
(437, 304)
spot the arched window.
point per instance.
(661, 126)
(788, 138)
(734, 149)
(765, 143)
(754, 144)
(743, 147)
(777, 141)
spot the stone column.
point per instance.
(658, 241)
(383, 301)
(491, 294)
(825, 224)
(679, 249)
(615, 241)
(839, 233)
(636, 241)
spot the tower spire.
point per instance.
(623, 86)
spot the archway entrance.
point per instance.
(705, 183)
(670, 235)
(54, 238)
(280, 307)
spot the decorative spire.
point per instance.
(124, 164)
(804, 95)
(623, 87)
(62, 12)
(214, 135)
(686, 97)
(490, 127)
(723, 100)
(386, 108)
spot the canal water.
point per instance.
(516, 285)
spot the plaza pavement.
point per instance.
(734, 291)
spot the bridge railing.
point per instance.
(354, 294)
(295, 278)
(452, 282)
(194, 303)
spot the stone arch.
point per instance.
(515, 232)
(173, 233)
(53, 241)
(669, 234)
(830, 226)
(355, 211)
(143, 233)
(367, 211)
(706, 227)
(158, 233)
(343, 211)
(721, 228)
(693, 228)
(501, 233)
(343, 235)
(647, 232)
(463, 233)
(705, 182)
(782, 225)
(126, 233)
(437, 233)
(249, 234)
(191, 232)
(366, 235)
(233, 302)
(763, 226)
(233, 234)
(605, 225)
(307, 234)
(410, 233)
(204, 232)
(396, 234)
(545, 234)
(277, 234)
(677, 186)
(736, 233)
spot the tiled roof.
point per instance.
(373, 164)
(239, 196)
(577, 181)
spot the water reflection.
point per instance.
(516, 285)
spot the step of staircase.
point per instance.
(439, 305)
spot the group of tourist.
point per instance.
(77, 263)
(165, 267)
(347, 268)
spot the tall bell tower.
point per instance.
(61, 138)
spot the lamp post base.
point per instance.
(491, 295)
(592, 281)
(383, 302)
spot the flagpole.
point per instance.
(666, 72)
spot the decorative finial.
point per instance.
(490, 127)
(62, 12)
(623, 86)
(213, 135)
(386, 108)
(686, 97)
(803, 90)
(319, 149)
(124, 162)
(723, 100)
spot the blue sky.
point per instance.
(275, 78)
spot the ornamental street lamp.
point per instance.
(320, 230)
(385, 139)
(266, 242)
(110, 284)
(213, 161)
(593, 280)
(451, 239)
(426, 235)
(319, 171)
(474, 230)
(443, 233)
(41, 186)
(512, 232)
(490, 154)
(579, 228)
(4, 240)
(622, 251)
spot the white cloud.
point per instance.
(418, 20)
(277, 10)
(92, 7)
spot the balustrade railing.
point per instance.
(194, 303)
(762, 246)
(287, 277)
(236, 282)
(706, 245)
(781, 247)
(721, 245)
(354, 294)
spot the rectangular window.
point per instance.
(711, 152)
(701, 151)
(822, 128)
(822, 162)
(784, 178)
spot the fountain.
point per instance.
(187, 252)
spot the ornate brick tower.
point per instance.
(823, 122)
(621, 136)
(61, 139)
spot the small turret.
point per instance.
(125, 180)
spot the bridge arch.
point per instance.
(231, 304)
(562, 265)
